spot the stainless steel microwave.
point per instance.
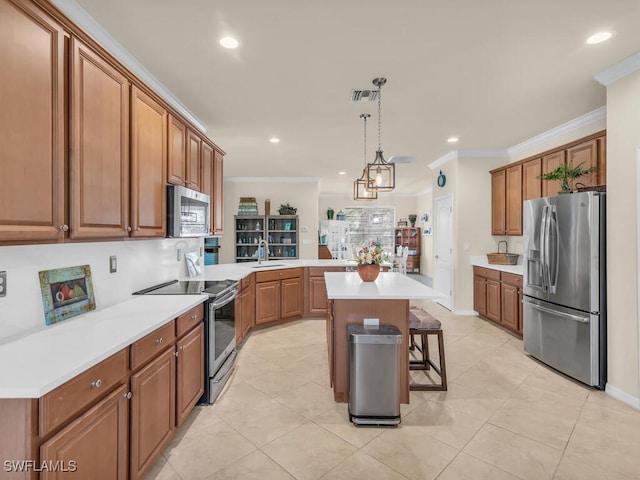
(188, 212)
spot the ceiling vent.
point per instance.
(358, 96)
(401, 159)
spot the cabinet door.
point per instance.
(267, 301)
(480, 295)
(318, 295)
(237, 305)
(153, 411)
(148, 166)
(602, 161)
(32, 124)
(585, 153)
(177, 162)
(194, 144)
(498, 202)
(206, 177)
(510, 310)
(217, 199)
(99, 160)
(531, 181)
(551, 188)
(514, 200)
(94, 445)
(330, 346)
(493, 300)
(520, 317)
(189, 372)
(248, 310)
(292, 297)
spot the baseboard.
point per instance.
(465, 313)
(624, 397)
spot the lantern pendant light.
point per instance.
(381, 175)
(361, 188)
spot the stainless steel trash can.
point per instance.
(374, 376)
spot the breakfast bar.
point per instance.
(350, 301)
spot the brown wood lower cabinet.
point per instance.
(497, 296)
(279, 295)
(316, 292)
(153, 411)
(245, 308)
(94, 445)
(189, 372)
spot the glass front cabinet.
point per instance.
(280, 232)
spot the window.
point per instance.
(369, 224)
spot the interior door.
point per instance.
(443, 249)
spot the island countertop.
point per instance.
(388, 286)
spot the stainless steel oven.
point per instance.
(219, 327)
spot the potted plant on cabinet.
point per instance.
(412, 219)
(566, 173)
(286, 209)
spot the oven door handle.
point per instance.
(226, 299)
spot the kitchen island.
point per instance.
(351, 301)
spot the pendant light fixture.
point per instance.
(381, 175)
(361, 188)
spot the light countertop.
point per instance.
(34, 365)
(237, 271)
(388, 286)
(481, 261)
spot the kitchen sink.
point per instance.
(267, 265)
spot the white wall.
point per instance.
(302, 194)
(623, 141)
(424, 203)
(404, 205)
(141, 263)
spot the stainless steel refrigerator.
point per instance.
(564, 301)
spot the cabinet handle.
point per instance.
(127, 395)
(96, 383)
(194, 316)
(63, 228)
(177, 353)
(137, 229)
(128, 229)
(159, 341)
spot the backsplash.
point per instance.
(141, 263)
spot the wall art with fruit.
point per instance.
(66, 292)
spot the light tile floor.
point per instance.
(505, 416)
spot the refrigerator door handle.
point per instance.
(544, 248)
(553, 259)
(568, 316)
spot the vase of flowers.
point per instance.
(369, 259)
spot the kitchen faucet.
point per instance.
(263, 251)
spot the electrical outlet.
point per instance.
(113, 264)
(3, 284)
(371, 322)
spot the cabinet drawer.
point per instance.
(511, 279)
(190, 319)
(278, 275)
(63, 403)
(489, 273)
(148, 347)
(319, 271)
(246, 282)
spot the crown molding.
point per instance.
(501, 153)
(568, 127)
(620, 70)
(453, 154)
(315, 180)
(85, 21)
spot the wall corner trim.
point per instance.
(620, 70)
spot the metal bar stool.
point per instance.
(425, 326)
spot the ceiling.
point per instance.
(495, 73)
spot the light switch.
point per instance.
(3, 284)
(113, 264)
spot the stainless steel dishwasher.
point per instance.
(374, 376)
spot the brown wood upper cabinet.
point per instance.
(99, 161)
(148, 166)
(506, 201)
(206, 177)
(549, 163)
(177, 163)
(217, 205)
(194, 146)
(32, 124)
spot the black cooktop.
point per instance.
(189, 287)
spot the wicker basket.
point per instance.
(580, 187)
(502, 258)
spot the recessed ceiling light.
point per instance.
(599, 38)
(229, 42)
(274, 140)
(452, 139)
(342, 173)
